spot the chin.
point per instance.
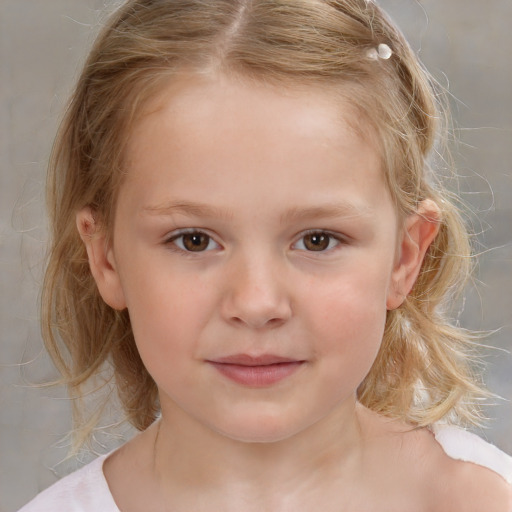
(262, 429)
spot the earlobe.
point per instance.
(419, 232)
(101, 259)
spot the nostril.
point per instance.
(274, 322)
(260, 323)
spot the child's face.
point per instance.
(255, 223)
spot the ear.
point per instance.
(419, 231)
(101, 259)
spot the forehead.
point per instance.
(190, 103)
(215, 134)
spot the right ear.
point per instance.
(101, 259)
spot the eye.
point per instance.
(193, 241)
(317, 241)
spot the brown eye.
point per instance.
(317, 241)
(195, 241)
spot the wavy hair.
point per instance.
(422, 372)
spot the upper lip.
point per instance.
(248, 360)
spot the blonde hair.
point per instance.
(422, 372)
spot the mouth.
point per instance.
(260, 371)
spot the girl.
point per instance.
(247, 234)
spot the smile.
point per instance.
(262, 371)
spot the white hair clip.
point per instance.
(383, 51)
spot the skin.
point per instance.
(251, 171)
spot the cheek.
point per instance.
(349, 319)
(167, 313)
(355, 299)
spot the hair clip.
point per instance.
(383, 51)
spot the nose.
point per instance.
(256, 294)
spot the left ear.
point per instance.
(419, 231)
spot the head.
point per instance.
(316, 45)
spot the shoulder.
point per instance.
(462, 445)
(476, 474)
(465, 472)
(85, 490)
(465, 486)
(443, 468)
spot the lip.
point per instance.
(256, 371)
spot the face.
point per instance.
(255, 249)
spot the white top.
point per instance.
(86, 490)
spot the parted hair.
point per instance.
(422, 372)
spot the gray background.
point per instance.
(42, 44)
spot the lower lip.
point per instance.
(258, 376)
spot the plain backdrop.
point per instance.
(468, 47)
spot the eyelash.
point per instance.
(338, 239)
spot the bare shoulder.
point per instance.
(429, 479)
(456, 484)
(473, 488)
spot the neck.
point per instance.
(189, 455)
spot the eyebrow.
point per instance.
(189, 208)
(297, 213)
(327, 211)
